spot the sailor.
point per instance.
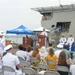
(11, 60)
(70, 41)
(44, 32)
(59, 49)
(62, 40)
(2, 43)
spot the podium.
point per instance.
(26, 42)
(41, 40)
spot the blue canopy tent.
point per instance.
(20, 30)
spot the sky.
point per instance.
(14, 13)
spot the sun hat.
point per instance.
(43, 49)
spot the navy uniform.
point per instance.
(62, 40)
(70, 41)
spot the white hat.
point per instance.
(60, 46)
(1, 33)
(43, 49)
(8, 47)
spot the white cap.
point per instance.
(8, 47)
(59, 46)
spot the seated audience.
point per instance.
(68, 55)
(60, 48)
(28, 53)
(43, 53)
(21, 52)
(11, 60)
(51, 56)
(35, 53)
(50, 46)
(63, 61)
(72, 69)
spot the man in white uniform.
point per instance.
(45, 34)
(62, 40)
(70, 41)
(2, 43)
(58, 51)
(11, 60)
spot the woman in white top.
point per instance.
(28, 53)
(21, 52)
(43, 53)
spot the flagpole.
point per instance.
(59, 2)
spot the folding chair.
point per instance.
(51, 62)
(43, 67)
(21, 59)
(63, 69)
(25, 64)
(8, 69)
(28, 71)
(51, 73)
(34, 62)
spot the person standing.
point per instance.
(62, 40)
(70, 41)
(46, 36)
(2, 43)
(44, 32)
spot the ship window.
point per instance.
(47, 16)
(64, 26)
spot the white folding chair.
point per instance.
(51, 73)
(8, 69)
(25, 64)
(28, 71)
(62, 69)
(43, 67)
(34, 62)
(51, 62)
(21, 59)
